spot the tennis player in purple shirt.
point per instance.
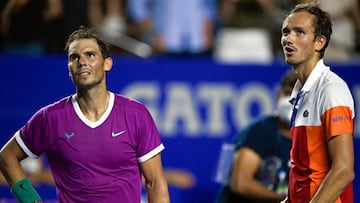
(99, 144)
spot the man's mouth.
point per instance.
(289, 50)
(83, 72)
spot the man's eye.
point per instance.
(285, 32)
(74, 58)
(90, 54)
(301, 32)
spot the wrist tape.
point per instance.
(25, 192)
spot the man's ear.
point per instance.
(108, 64)
(320, 43)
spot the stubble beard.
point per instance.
(89, 85)
(292, 61)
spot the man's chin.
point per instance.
(84, 86)
(290, 61)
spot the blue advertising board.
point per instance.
(198, 106)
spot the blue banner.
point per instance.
(197, 104)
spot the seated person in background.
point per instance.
(259, 171)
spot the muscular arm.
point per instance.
(341, 173)
(155, 183)
(246, 164)
(10, 156)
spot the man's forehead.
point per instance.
(298, 19)
(85, 44)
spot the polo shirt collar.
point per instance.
(315, 75)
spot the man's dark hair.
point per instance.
(88, 33)
(321, 21)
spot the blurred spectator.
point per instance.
(36, 27)
(110, 20)
(260, 165)
(345, 16)
(246, 29)
(73, 14)
(175, 26)
(23, 24)
(246, 13)
(107, 17)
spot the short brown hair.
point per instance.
(88, 33)
(321, 21)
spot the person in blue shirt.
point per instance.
(259, 170)
(176, 26)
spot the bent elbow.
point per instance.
(350, 175)
(347, 175)
(239, 187)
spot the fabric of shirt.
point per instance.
(264, 137)
(325, 110)
(93, 161)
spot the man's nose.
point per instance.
(82, 61)
(290, 37)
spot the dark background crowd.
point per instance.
(231, 31)
(173, 27)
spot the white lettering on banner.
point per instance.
(202, 109)
(207, 108)
(148, 93)
(180, 107)
(250, 94)
(217, 96)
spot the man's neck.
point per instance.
(93, 104)
(304, 70)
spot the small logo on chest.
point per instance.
(306, 113)
(69, 135)
(115, 134)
